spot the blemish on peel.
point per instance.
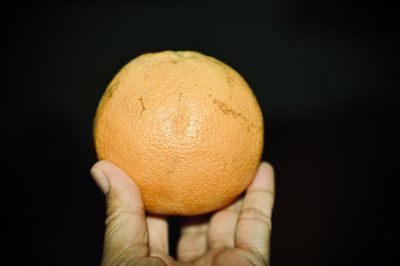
(142, 105)
(111, 89)
(179, 108)
(225, 109)
(230, 81)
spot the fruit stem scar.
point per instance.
(142, 104)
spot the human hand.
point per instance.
(239, 234)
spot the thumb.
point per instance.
(126, 237)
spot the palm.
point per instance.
(236, 235)
(223, 240)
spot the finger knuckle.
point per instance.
(115, 213)
(265, 193)
(256, 214)
(123, 256)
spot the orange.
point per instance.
(185, 126)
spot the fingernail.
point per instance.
(101, 180)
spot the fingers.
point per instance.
(223, 226)
(158, 234)
(254, 224)
(126, 236)
(193, 241)
(158, 238)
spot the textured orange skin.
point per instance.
(186, 127)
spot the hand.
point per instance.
(236, 235)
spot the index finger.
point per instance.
(254, 225)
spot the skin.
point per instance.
(236, 235)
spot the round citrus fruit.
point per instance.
(185, 126)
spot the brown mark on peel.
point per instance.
(230, 81)
(179, 108)
(142, 105)
(115, 83)
(111, 88)
(227, 110)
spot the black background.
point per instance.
(324, 73)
